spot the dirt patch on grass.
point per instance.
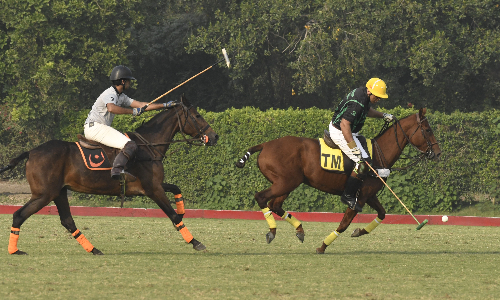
(14, 192)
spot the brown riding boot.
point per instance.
(121, 160)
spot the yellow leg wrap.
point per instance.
(329, 239)
(373, 225)
(268, 214)
(291, 219)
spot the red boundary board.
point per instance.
(257, 215)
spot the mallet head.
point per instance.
(228, 63)
(421, 225)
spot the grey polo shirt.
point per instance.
(99, 112)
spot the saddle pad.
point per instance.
(334, 159)
(330, 159)
(94, 159)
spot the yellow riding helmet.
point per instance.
(377, 87)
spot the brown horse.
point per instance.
(56, 166)
(289, 161)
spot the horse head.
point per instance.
(193, 124)
(423, 137)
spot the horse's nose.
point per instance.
(214, 140)
(438, 156)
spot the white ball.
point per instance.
(444, 219)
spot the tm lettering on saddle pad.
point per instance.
(330, 159)
(333, 159)
(94, 159)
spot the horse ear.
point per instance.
(185, 101)
(421, 112)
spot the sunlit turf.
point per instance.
(146, 258)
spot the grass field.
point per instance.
(145, 258)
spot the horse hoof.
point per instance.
(19, 252)
(269, 237)
(300, 235)
(96, 251)
(198, 246)
(239, 165)
(356, 232)
(320, 251)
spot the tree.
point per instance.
(57, 56)
(441, 54)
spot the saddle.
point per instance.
(96, 156)
(328, 140)
(88, 143)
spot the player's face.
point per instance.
(374, 99)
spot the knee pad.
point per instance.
(130, 149)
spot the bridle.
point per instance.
(200, 136)
(428, 153)
(200, 139)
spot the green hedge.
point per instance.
(468, 169)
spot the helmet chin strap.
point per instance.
(117, 88)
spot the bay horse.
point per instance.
(290, 161)
(57, 166)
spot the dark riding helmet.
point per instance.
(121, 72)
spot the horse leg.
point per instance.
(375, 204)
(277, 190)
(179, 200)
(37, 202)
(346, 221)
(159, 197)
(276, 206)
(67, 221)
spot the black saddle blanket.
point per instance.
(94, 159)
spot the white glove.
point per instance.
(356, 152)
(388, 117)
(137, 111)
(170, 104)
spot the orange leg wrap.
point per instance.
(80, 238)
(13, 240)
(185, 232)
(179, 202)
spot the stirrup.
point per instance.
(126, 176)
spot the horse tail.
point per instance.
(252, 150)
(14, 162)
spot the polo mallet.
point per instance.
(228, 63)
(420, 225)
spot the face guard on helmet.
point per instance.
(377, 87)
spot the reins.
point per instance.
(151, 147)
(417, 158)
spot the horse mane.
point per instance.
(154, 123)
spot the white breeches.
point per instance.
(339, 139)
(106, 135)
